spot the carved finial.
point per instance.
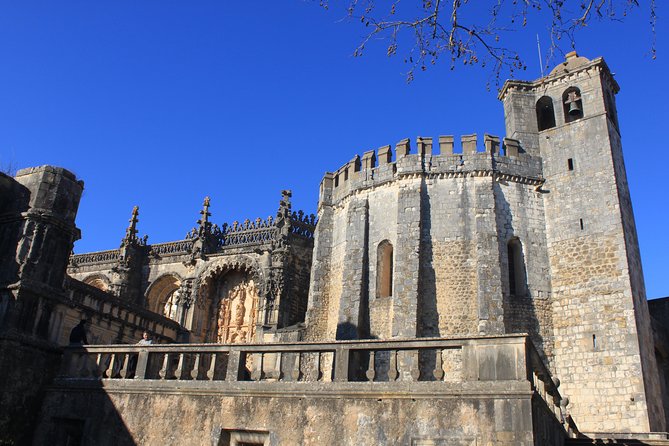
(284, 204)
(204, 220)
(131, 232)
(283, 217)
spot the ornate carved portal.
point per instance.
(237, 297)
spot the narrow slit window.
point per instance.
(384, 269)
(570, 164)
(517, 278)
(594, 342)
(582, 225)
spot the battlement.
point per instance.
(376, 167)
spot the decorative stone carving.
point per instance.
(237, 313)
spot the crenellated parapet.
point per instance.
(376, 167)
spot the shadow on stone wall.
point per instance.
(428, 314)
(14, 200)
(520, 310)
(81, 415)
(359, 359)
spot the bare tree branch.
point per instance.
(426, 29)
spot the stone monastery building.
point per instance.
(488, 294)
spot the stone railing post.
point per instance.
(66, 367)
(142, 362)
(234, 358)
(341, 363)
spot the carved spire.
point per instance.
(205, 226)
(284, 205)
(126, 277)
(131, 232)
(282, 221)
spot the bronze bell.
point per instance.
(574, 108)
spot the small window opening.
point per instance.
(545, 113)
(573, 104)
(517, 279)
(337, 180)
(582, 226)
(384, 269)
(243, 438)
(570, 164)
(594, 342)
(346, 174)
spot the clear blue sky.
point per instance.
(160, 103)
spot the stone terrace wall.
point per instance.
(283, 394)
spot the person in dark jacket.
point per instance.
(78, 333)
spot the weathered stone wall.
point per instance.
(327, 267)
(150, 418)
(659, 312)
(27, 365)
(49, 231)
(383, 214)
(14, 199)
(298, 272)
(520, 216)
(649, 367)
(449, 263)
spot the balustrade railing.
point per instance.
(133, 316)
(246, 233)
(172, 248)
(94, 257)
(504, 358)
(303, 225)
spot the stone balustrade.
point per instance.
(180, 247)
(134, 318)
(467, 362)
(94, 257)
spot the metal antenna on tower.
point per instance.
(541, 64)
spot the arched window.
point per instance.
(545, 113)
(384, 269)
(162, 296)
(572, 104)
(517, 278)
(98, 281)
